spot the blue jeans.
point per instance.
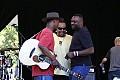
(83, 70)
(113, 74)
(46, 77)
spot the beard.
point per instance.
(75, 27)
(62, 33)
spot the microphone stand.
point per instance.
(19, 63)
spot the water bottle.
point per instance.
(103, 70)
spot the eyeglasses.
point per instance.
(61, 28)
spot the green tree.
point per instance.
(8, 41)
(9, 37)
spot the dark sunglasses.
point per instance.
(61, 28)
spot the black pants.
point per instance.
(60, 77)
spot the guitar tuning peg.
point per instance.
(79, 76)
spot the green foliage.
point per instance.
(9, 39)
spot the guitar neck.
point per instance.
(71, 72)
(66, 70)
(63, 68)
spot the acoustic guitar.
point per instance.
(30, 48)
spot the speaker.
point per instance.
(90, 76)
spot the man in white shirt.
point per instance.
(62, 44)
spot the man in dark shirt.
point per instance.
(81, 47)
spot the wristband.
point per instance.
(77, 53)
(74, 53)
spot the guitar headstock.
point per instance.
(78, 76)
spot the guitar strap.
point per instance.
(35, 35)
(39, 33)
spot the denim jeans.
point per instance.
(83, 70)
(46, 77)
(113, 74)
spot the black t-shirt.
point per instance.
(81, 40)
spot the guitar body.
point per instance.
(28, 50)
